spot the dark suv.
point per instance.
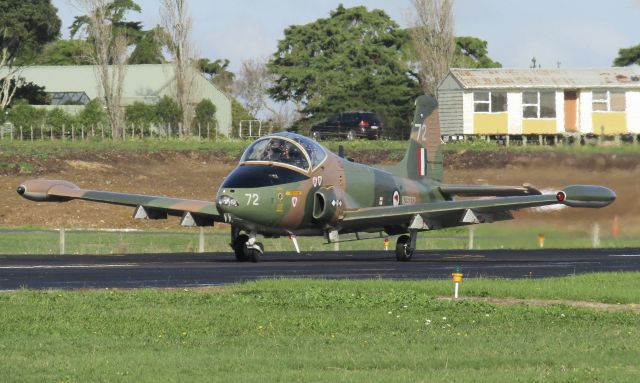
(348, 125)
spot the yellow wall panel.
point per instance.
(609, 123)
(490, 123)
(533, 126)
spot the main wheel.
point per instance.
(403, 252)
(240, 248)
(255, 255)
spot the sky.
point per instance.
(569, 33)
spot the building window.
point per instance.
(539, 104)
(608, 101)
(489, 102)
(69, 98)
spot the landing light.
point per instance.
(561, 196)
(225, 200)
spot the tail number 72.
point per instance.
(252, 199)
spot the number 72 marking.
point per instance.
(252, 199)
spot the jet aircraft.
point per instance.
(289, 185)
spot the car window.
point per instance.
(333, 118)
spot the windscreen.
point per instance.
(276, 150)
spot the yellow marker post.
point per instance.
(456, 276)
(386, 244)
(541, 240)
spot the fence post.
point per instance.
(41, 132)
(208, 132)
(62, 137)
(73, 132)
(62, 240)
(595, 235)
(82, 132)
(199, 131)
(472, 234)
(201, 240)
(20, 132)
(31, 128)
(102, 129)
(51, 132)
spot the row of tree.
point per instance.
(355, 59)
(164, 117)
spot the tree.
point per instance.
(149, 47)
(169, 114)
(351, 60)
(141, 115)
(471, 52)
(252, 85)
(238, 113)
(177, 24)
(109, 55)
(25, 26)
(217, 73)
(628, 56)
(205, 116)
(431, 26)
(93, 114)
(32, 93)
(114, 11)
(66, 52)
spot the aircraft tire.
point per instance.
(255, 255)
(240, 248)
(403, 252)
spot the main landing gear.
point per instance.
(245, 246)
(405, 246)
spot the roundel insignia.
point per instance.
(396, 198)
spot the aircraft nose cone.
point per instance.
(21, 189)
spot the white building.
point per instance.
(540, 101)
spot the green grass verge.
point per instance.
(493, 236)
(306, 330)
(45, 149)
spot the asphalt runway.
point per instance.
(188, 270)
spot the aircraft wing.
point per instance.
(452, 213)
(487, 190)
(193, 212)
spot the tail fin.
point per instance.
(423, 159)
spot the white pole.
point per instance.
(201, 240)
(472, 231)
(455, 293)
(62, 250)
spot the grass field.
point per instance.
(308, 330)
(494, 236)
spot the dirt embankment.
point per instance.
(197, 174)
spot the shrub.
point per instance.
(205, 117)
(169, 114)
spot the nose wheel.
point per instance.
(245, 247)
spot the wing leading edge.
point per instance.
(452, 213)
(193, 212)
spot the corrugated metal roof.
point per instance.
(563, 78)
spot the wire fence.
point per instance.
(200, 240)
(101, 132)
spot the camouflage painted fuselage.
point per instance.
(315, 201)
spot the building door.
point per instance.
(570, 111)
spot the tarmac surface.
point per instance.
(188, 270)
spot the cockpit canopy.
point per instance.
(286, 148)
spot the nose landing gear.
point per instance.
(245, 246)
